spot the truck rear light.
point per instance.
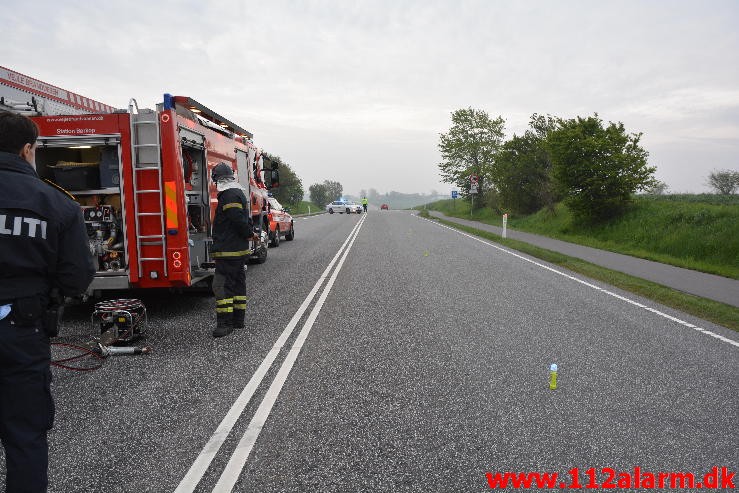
(176, 259)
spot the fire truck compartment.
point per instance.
(79, 164)
(89, 169)
(73, 175)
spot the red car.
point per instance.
(280, 223)
(384, 207)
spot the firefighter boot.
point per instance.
(224, 317)
(239, 316)
(239, 312)
(223, 323)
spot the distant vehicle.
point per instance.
(339, 206)
(280, 223)
(384, 207)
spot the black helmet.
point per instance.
(222, 170)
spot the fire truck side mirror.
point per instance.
(274, 178)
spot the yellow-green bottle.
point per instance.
(553, 376)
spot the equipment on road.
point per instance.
(553, 376)
(143, 179)
(119, 321)
(122, 320)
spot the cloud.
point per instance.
(324, 83)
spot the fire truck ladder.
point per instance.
(147, 160)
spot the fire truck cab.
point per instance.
(142, 178)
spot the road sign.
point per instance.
(473, 180)
(455, 194)
(473, 188)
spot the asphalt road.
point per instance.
(418, 362)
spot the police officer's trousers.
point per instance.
(229, 287)
(26, 406)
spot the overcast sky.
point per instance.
(359, 91)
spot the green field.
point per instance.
(699, 232)
(303, 208)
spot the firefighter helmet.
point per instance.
(221, 171)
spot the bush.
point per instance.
(597, 168)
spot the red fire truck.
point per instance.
(142, 178)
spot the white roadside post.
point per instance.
(505, 224)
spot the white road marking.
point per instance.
(238, 460)
(202, 462)
(615, 295)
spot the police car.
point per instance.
(340, 206)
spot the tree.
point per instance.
(724, 182)
(521, 172)
(334, 189)
(658, 188)
(597, 168)
(469, 148)
(318, 194)
(290, 190)
(522, 168)
(323, 193)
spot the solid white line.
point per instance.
(202, 462)
(632, 302)
(238, 460)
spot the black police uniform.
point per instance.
(232, 229)
(43, 246)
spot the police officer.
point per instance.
(43, 248)
(232, 229)
(364, 204)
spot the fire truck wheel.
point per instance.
(260, 255)
(290, 234)
(275, 238)
(260, 258)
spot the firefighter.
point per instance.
(43, 250)
(232, 229)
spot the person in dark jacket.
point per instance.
(43, 249)
(232, 229)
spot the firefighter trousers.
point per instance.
(229, 287)
(26, 405)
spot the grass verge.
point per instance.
(694, 232)
(303, 208)
(713, 311)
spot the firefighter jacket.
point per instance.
(43, 240)
(232, 226)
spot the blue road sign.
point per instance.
(454, 194)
